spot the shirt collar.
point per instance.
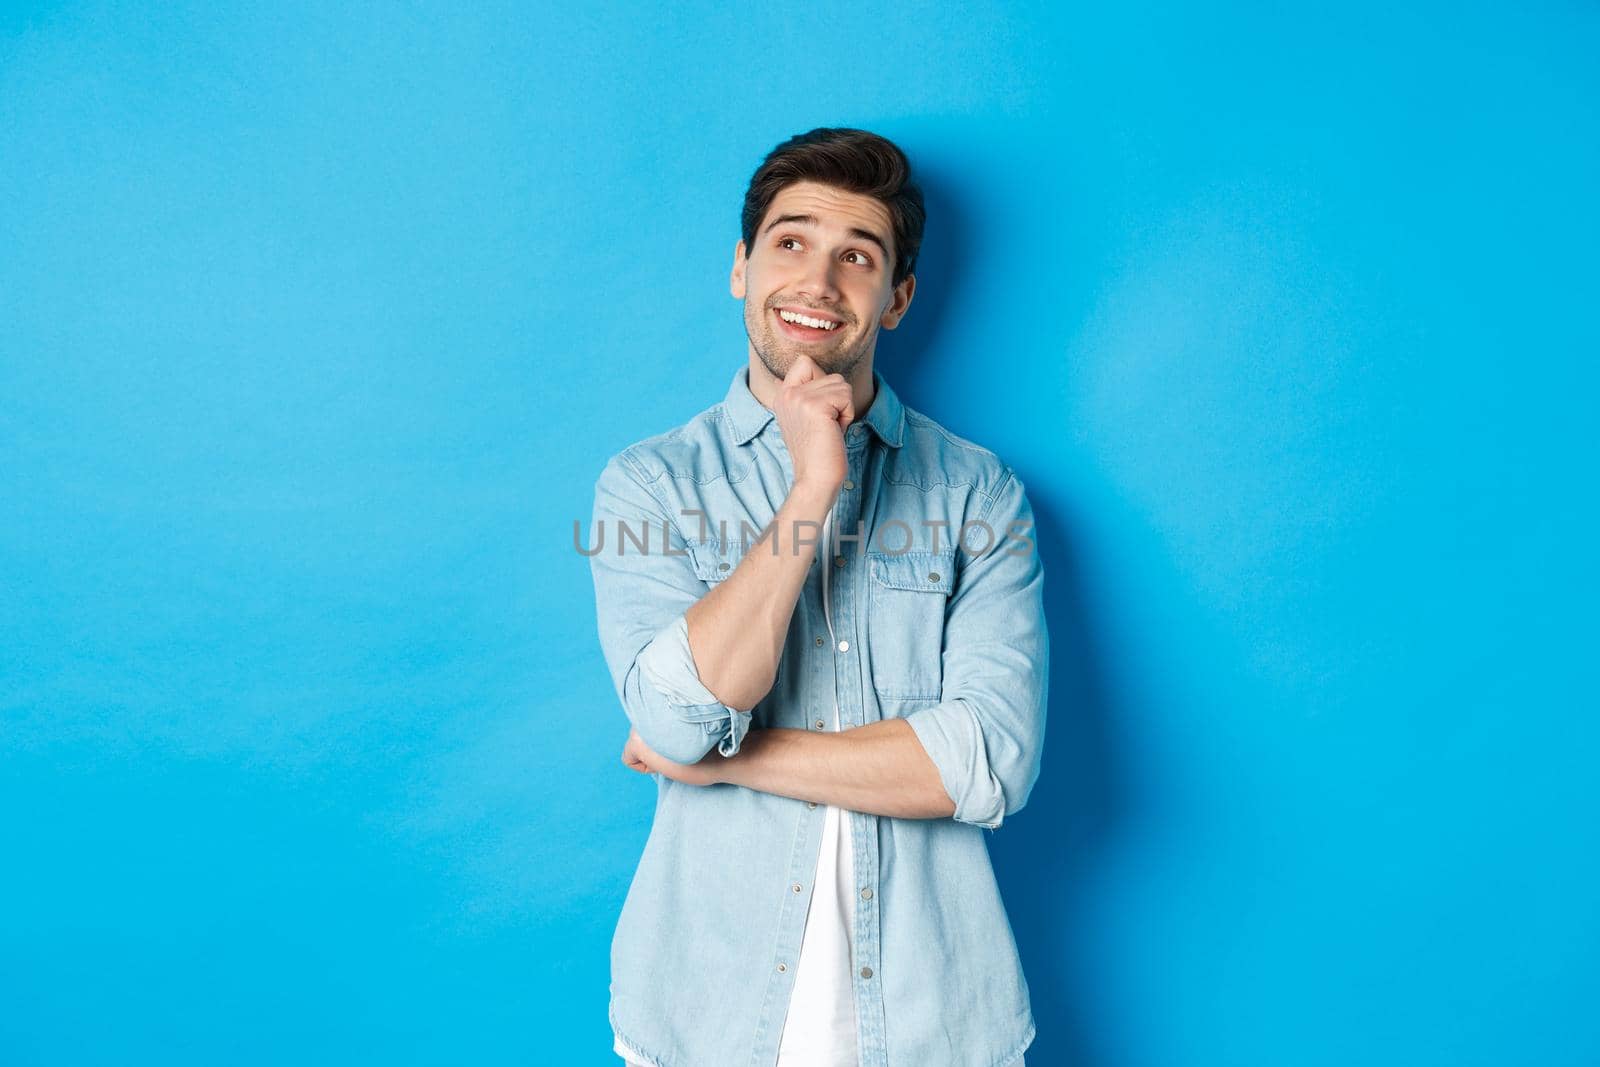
(749, 416)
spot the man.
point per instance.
(822, 613)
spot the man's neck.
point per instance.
(863, 391)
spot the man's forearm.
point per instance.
(737, 630)
(880, 768)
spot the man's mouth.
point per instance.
(806, 325)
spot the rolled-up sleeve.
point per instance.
(986, 734)
(641, 594)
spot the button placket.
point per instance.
(849, 607)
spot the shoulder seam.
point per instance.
(958, 441)
(990, 498)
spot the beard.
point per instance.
(777, 353)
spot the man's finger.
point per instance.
(802, 370)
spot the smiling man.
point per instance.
(823, 615)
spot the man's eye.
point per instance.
(786, 241)
(866, 260)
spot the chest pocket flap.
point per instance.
(712, 563)
(915, 571)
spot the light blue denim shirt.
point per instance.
(935, 615)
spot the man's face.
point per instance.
(828, 255)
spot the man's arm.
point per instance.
(736, 632)
(986, 734)
(688, 664)
(658, 623)
(880, 768)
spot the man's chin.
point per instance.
(829, 360)
(780, 357)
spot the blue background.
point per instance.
(316, 328)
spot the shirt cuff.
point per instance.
(952, 737)
(668, 665)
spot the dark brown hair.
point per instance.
(853, 160)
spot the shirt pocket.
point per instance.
(907, 596)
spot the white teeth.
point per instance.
(807, 320)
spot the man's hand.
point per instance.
(813, 410)
(640, 757)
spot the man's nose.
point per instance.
(819, 282)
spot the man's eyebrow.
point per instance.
(811, 220)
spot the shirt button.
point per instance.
(783, 966)
(848, 484)
(844, 646)
(866, 972)
(796, 887)
(811, 803)
(934, 577)
(819, 642)
(818, 724)
(866, 894)
(722, 566)
(838, 561)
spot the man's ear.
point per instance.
(736, 278)
(899, 303)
